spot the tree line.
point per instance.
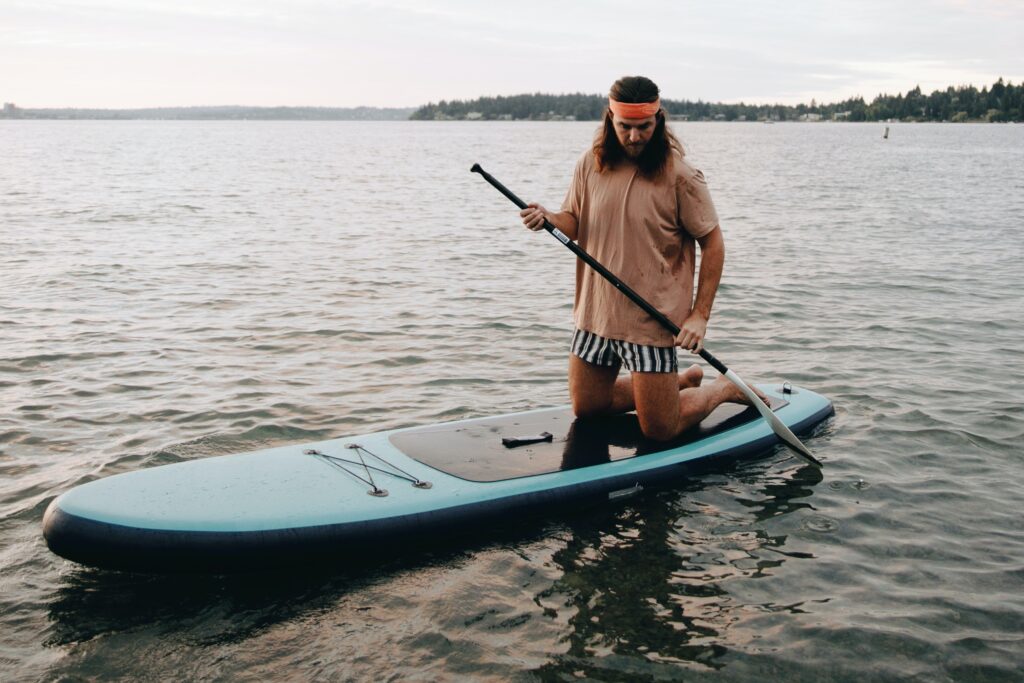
(999, 103)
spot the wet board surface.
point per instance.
(475, 451)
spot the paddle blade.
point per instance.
(780, 429)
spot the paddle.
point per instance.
(777, 425)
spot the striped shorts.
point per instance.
(611, 352)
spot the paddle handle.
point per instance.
(604, 272)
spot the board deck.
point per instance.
(475, 451)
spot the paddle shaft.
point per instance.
(604, 272)
(774, 422)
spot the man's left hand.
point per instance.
(691, 336)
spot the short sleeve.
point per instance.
(696, 211)
(573, 202)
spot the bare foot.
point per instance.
(691, 377)
(734, 395)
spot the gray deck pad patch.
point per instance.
(475, 452)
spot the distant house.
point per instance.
(809, 117)
(474, 116)
(841, 115)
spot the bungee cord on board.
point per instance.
(375, 490)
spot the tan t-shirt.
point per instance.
(644, 232)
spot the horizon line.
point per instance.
(756, 103)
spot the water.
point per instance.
(180, 290)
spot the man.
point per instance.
(639, 208)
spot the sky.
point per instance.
(404, 53)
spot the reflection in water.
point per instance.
(92, 603)
(648, 583)
(640, 587)
(597, 440)
(591, 441)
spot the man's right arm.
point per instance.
(534, 215)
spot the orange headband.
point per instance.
(629, 110)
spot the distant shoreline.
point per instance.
(211, 113)
(476, 121)
(1001, 103)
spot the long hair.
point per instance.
(608, 151)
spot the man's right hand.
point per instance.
(534, 215)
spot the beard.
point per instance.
(634, 150)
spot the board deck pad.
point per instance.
(475, 452)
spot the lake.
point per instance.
(179, 290)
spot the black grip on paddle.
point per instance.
(712, 361)
(499, 187)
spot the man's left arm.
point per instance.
(712, 259)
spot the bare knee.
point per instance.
(590, 406)
(660, 430)
(661, 425)
(657, 404)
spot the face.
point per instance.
(634, 134)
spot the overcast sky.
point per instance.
(136, 53)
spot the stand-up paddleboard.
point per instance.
(336, 499)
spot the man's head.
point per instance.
(634, 128)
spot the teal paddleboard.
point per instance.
(333, 500)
